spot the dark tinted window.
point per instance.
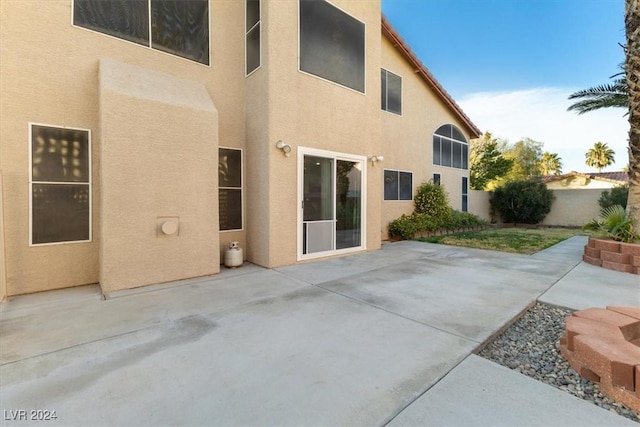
(436, 178)
(253, 13)
(450, 148)
(179, 27)
(390, 185)
(60, 185)
(125, 19)
(406, 185)
(391, 92)
(230, 191)
(331, 44)
(252, 49)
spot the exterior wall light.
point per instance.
(286, 148)
(376, 159)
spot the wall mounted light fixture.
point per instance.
(376, 159)
(286, 148)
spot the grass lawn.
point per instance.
(511, 239)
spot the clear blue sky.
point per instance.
(497, 45)
(511, 64)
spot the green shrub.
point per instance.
(617, 196)
(463, 219)
(614, 223)
(407, 226)
(525, 202)
(431, 200)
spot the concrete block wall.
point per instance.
(618, 256)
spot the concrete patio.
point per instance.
(378, 338)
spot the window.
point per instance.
(252, 28)
(465, 194)
(331, 44)
(398, 185)
(230, 188)
(436, 178)
(450, 148)
(178, 27)
(60, 184)
(391, 92)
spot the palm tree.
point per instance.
(600, 156)
(603, 96)
(550, 164)
(632, 29)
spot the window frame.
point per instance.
(386, 92)
(241, 188)
(463, 148)
(257, 27)
(438, 180)
(398, 172)
(364, 24)
(89, 183)
(149, 45)
(465, 194)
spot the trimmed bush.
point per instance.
(617, 196)
(524, 202)
(463, 220)
(432, 200)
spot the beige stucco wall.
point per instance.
(3, 266)
(407, 140)
(159, 142)
(479, 204)
(49, 75)
(306, 111)
(574, 207)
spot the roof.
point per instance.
(619, 177)
(426, 75)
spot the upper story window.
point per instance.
(60, 184)
(391, 92)
(450, 148)
(252, 28)
(178, 27)
(331, 44)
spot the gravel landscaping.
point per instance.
(531, 347)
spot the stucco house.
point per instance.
(139, 138)
(580, 181)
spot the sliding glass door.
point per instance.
(331, 203)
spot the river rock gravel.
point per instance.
(531, 346)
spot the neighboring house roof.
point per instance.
(619, 178)
(423, 72)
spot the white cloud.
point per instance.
(541, 114)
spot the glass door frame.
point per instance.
(335, 156)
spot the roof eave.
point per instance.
(431, 81)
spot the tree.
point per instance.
(603, 96)
(526, 155)
(632, 67)
(486, 162)
(599, 156)
(550, 164)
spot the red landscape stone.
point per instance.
(592, 252)
(624, 268)
(632, 249)
(600, 344)
(615, 257)
(607, 245)
(592, 260)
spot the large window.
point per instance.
(391, 92)
(450, 148)
(60, 184)
(178, 27)
(398, 185)
(252, 28)
(331, 44)
(230, 188)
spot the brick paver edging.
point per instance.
(603, 345)
(613, 255)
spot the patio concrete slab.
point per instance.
(473, 302)
(481, 393)
(304, 357)
(74, 321)
(590, 286)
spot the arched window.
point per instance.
(450, 148)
